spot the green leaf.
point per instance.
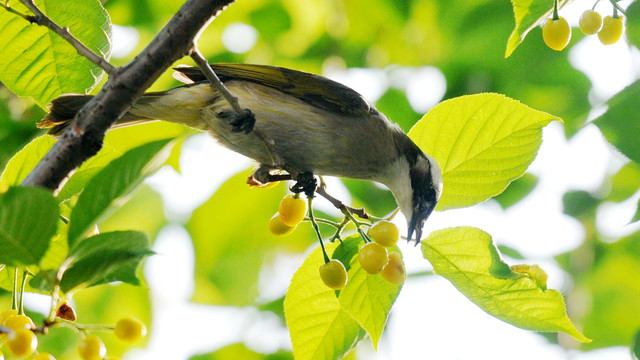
(24, 161)
(517, 191)
(610, 282)
(633, 24)
(28, 219)
(529, 14)
(636, 217)
(367, 298)
(482, 142)
(616, 126)
(107, 257)
(319, 327)
(625, 182)
(231, 228)
(37, 62)
(468, 258)
(635, 346)
(112, 183)
(240, 351)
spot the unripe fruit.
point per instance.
(16, 322)
(612, 29)
(278, 228)
(384, 233)
(373, 257)
(22, 342)
(333, 274)
(556, 33)
(590, 22)
(92, 348)
(292, 210)
(130, 330)
(394, 271)
(44, 356)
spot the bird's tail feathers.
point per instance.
(64, 108)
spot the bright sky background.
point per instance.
(430, 319)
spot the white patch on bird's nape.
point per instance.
(436, 175)
(398, 181)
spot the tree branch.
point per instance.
(84, 138)
(43, 20)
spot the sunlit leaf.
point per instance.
(24, 161)
(37, 62)
(107, 257)
(112, 183)
(319, 327)
(468, 258)
(240, 351)
(481, 142)
(367, 298)
(28, 218)
(231, 228)
(616, 126)
(529, 14)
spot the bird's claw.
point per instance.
(306, 183)
(242, 121)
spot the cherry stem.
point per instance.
(555, 10)
(316, 228)
(14, 297)
(25, 275)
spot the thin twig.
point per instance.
(214, 80)
(361, 212)
(41, 19)
(84, 138)
(218, 86)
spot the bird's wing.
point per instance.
(313, 89)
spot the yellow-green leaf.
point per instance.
(24, 161)
(529, 14)
(37, 62)
(482, 142)
(468, 258)
(368, 298)
(319, 327)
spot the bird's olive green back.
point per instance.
(313, 89)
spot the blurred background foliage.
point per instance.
(463, 39)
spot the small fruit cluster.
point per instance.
(290, 213)
(373, 257)
(609, 30)
(22, 341)
(556, 32)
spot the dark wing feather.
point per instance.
(313, 89)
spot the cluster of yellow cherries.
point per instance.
(556, 32)
(373, 255)
(21, 341)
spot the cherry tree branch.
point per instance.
(125, 85)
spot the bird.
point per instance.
(304, 124)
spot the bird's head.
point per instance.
(417, 189)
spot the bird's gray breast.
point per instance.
(305, 137)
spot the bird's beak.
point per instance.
(416, 224)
